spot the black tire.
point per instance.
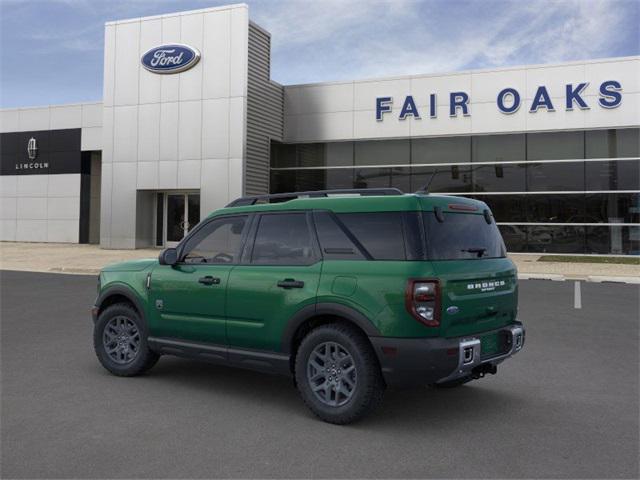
(138, 363)
(369, 385)
(453, 383)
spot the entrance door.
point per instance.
(182, 214)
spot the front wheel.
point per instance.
(120, 341)
(337, 374)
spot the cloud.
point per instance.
(321, 40)
(342, 40)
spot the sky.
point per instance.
(51, 51)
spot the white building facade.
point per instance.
(553, 149)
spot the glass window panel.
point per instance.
(612, 143)
(441, 150)
(613, 240)
(175, 217)
(555, 208)
(193, 200)
(159, 219)
(499, 178)
(283, 240)
(506, 208)
(339, 154)
(283, 155)
(382, 152)
(283, 181)
(499, 148)
(297, 180)
(612, 208)
(542, 177)
(401, 178)
(379, 233)
(555, 239)
(555, 145)
(338, 178)
(334, 242)
(515, 237)
(372, 178)
(216, 242)
(460, 236)
(310, 154)
(451, 179)
(613, 175)
(307, 180)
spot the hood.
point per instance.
(131, 265)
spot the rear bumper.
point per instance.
(409, 362)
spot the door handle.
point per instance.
(290, 283)
(209, 280)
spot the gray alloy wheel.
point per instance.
(331, 373)
(121, 340)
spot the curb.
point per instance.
(541, 276)
(82, 271)
(588, 278)
(599, 279)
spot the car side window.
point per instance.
(283, 239)
(334, 241)
(216, 242)
(380, 233)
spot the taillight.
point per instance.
(422, 299)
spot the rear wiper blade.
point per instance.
(479, 250)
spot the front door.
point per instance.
(188, 300)
(182, 215)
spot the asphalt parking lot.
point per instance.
(567, 406)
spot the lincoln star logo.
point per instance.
(172, 58)
(486, 286)
(32, 154)
(32, 148)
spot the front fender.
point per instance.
(121, 289)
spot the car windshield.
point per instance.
(462, 236)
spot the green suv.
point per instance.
(346, 291)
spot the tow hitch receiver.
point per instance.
(484, 369)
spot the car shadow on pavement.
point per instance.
(411, 408)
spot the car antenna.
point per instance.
(425, 187)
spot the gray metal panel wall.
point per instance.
(265, 113)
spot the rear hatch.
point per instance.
(478, 283)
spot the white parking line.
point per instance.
(577, 295)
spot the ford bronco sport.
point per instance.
(348, 292)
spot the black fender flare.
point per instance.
(350, 314)
(123, 291)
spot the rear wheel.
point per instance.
(120, 341)
(337, 374)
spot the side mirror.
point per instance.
(169, 256)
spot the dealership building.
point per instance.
(190, 120)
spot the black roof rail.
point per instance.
(252, 200)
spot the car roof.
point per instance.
(361, 204)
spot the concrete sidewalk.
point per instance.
(89, 259)
(64, 257)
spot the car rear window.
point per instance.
(462, 236)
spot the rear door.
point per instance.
(278, 276)
(478, 282)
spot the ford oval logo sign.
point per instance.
(173, 58)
